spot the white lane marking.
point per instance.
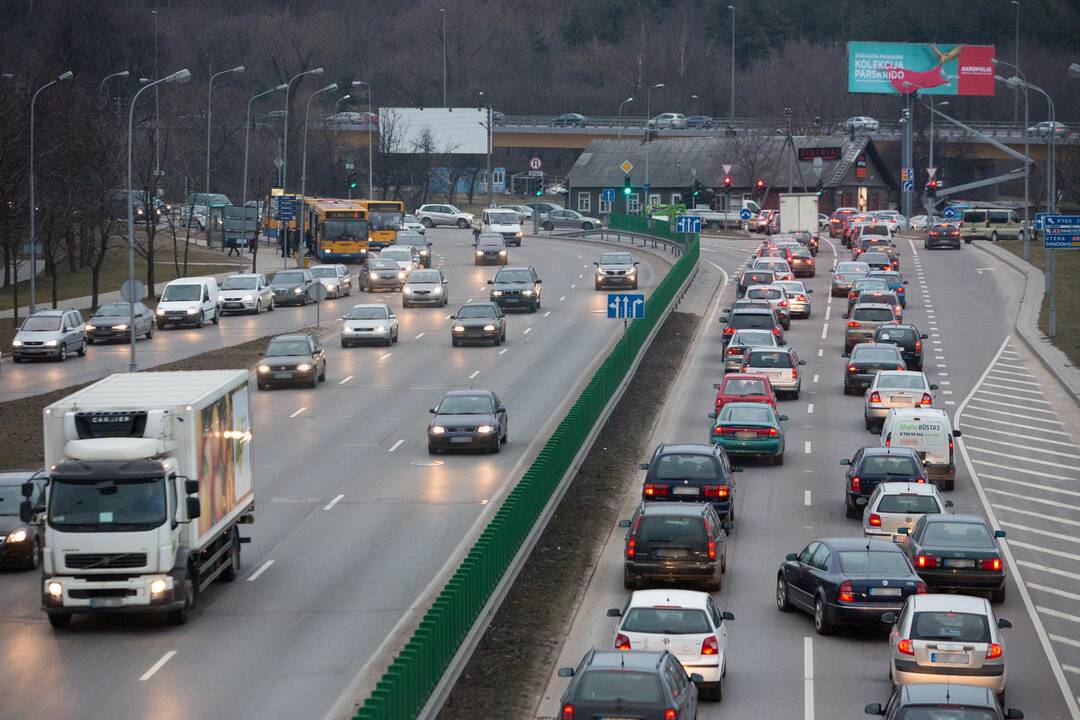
(547, 313)
(503, 350)
(347, 379)
(1010, 372)
(824, 330)
(580, 276)
(157, 666)
(262, 568)
(934, 335)
(1058, 614)
(1048, 649)
(468, 300)
(808, 678)
(820, 352)
(914, 252)
(1014, 382)
(527, 331)
(1014, 424)
(396, 445)
(936, 342)
(1009, 404)
(1014, 397)
(562, 298)
(1018, 415)
(1013, 433)
(828, 312)
(474, 374)
(1066, 641)
(944, 374)
(1014, 367)
(420, 335)
(806, 447)
(944, 382)
(950, 402)
(810, 409)
(815, 378)
(1032, 499)
(1013, 456)
(946, 392)
(1038, 473)
(579, 257)
(1054, 591)
(1042, 548)
(1040, 515)
(1052, 571)
(806, 498)
(330, 505)
(385, 355)
(298, 411)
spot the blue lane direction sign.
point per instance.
(1039, 220)
(608, 195)
(1061, 232)
(626, 307)
(908, 185)
(287, 207)
(744, 214)
(951, 213)
(687, 224)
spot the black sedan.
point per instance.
(906, 337)
(468, 420)
(517, 288)
(944, 700)
(292, 359)
(489, 249)
(958, 553)
(864, 362)
(942, 236)
(846, 581)
(20, 542)
(691, 472)
(291, 287)
(477, 322)
(113, 322)
(879, 260)
(645, 685)
(871, 466)
(569, 120)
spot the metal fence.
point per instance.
(406, 685)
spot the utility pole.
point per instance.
(906, 162)
(443, 11)
(732, 9)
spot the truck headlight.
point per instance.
(50, 343)
(264, 368)
(496, 293)
(55, 590)
(17, 536)
(191, 311)
(517, 234)
(485, 429)
(158, 586)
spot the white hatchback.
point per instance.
(686, 623)
(896, 505)
(895, 389)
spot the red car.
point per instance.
(836, 222)
(744, 387)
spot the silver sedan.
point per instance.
(570, 219)
(895, 389)
(741, 342)
(798, 297)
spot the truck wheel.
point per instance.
(233, 571)
(59, 620)
(179, 617)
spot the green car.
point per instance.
(749, 429)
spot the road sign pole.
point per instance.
(1051, 316)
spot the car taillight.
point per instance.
(904, 646)
(918, 345)
(567, 712)
(771, 432)
(926, 561)
(853, 323)
(856, 484)
(671, 714)
(921, 588)
(654, 490)
(950, 446)
(734, 351)
(926, 399)
(622, 642)
(875, 520)
(990, 564)
(994, 651)
(712, 549)
(630, 543)
(852, 368)
(888, 442)
(717, 491)
(783, 303)
(847, 592)
(875, 397)
(776, 331)
(920, 480)
(901, 368)
(709, 646)
(800, 298)
(729, 331)
(898, 309)
(851, 295)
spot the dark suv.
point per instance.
(691, 472)
(871, 466)
(752, 319)
(642, 684)
(906, 337)
(754, 277)
(516, 288)
(675, 542)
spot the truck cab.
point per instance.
(502, 221)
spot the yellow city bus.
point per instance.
(384, 220)
(340, 229)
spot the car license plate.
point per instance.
(745, 435)
(885, 592)
(685, 490)
(106, 602)
(897, 398)
(282, 376)
(952, 658)
(460, 439)
(960, 563)
(668, 554)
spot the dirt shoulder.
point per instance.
(540, 604)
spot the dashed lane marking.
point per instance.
(330, 505)
(262, 568)
(298, 412)
(157, 666)
(396, 445)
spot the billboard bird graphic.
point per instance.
(910, 81)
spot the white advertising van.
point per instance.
(929, 432)
(188, 301)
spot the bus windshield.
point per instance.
(345, 230)
(385, 220)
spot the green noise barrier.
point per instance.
(406, 685)
(646, 226)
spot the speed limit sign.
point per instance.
(535, 164)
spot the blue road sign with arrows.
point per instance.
(1061, 231)
(951, 213)
(626, 307)
(687, 224)
(608, 195)
(744, 214)
(286, 207)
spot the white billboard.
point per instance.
(461, 131)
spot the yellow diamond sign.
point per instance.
(627, 166)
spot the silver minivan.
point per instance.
(50, 334)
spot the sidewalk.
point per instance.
(1027, 321)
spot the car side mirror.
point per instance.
(933, 387)
(956, 433)
(614, 612)
(727, 525)
(191, 486)
(712, 416)
(343, 317)
(453, 317)
(25, 511)
(727, 615)
(566, 672)
(491, 282)
(724, 317)
(539, 281)
(696, 678)
(792, 557)
(809, 291)
(783, 418)
(1004, 624)
(716, 386)
(27, 489)
(999, 533)
(736, 468)
(596, 263)
(845, 461)
(802, 362)
(906, 531)
(924, 336)
(432, 410)
(624, 523)
(905, 282)
(643, 466)
(948, 504)
(1014, 714)
(845, 355)
(194, 508)
(888, 618)
(874, 709)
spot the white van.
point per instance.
(504, 221)
(188, 301)
(929, 433)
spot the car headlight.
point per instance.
(527, 293)
(632, 271)
(90, 328)
(17, 536)
(373, 276)
(496, 293)
(161, 311)
(489, 328)
(459, 328)
(408, 290)
(485, 429)
(50, 343)
(437, 290)
(303, 367)
(517, 234)
(248, 298)
(264, 368)
(401, 276)
(479, 253)
(437, 430)
(502, 252)
(55, 590)
(297, 291)
(600, 273)
(158, 586)
(191, 311)
(118, 328)
(347, 329)
(331, 287)
(16, 343)
(423, 252)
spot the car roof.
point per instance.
(875, 450)
(514, 267)
(971, 519)
(634, 659)
(680, 598)
(381, 306)
(951, 693)
(50, 312)
(949, 603)
(872, 305)
(332, 266)
(686, 449)
(752, 310)
(291, 336)
(467, 393)
(908, 488)
(859, 543)
(682, 509)
(746, 376)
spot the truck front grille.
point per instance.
(106, 560)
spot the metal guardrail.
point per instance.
(419, 676)
(634, 239)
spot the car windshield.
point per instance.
(10, 499)
(754, 337)
(278, 348)
(381, 264)
(239, 283)
(751, 320)
(766, 359)
(476, 311)
(289, 278)
(616, 259)
(396, 254)
(106, 505)
(411, 219)
(324, 272)
(685, 467)
(513, 276)
(424, 277)
(502, 218)
(873, 562)
(950, 626)
(613, 686)
(948, 711)
(957, 534)
(758, 278)
(675, 530)
(43, 322)
(852, 267)
(870, 314)
(889, 465)
(666, 621)
(908, 503)
(875, 355)
(384, 220)
(765, 293)
(744, 386)
(870, 284)
(895, 335)
(746, 415)
(465, 405)
(900, 382)
(115, 310)
(367, 313)
(182, 292)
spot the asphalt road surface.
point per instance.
(1015, 438)
(354, 519)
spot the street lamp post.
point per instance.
(648, 136)
(1027, 160)
(247, 145)
(940, 104)
(443, 11)
(303, 163)
(107, 78)
(1016, 58)
(370, 176)
(209, 115)
(337, 105)
(180, 76)
(618, 128)
(285, 132)
(33, 208)
(732, 9)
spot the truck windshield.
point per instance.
(106, 505)
(175, 293)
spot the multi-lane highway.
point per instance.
(1016, 440)
(355, 522)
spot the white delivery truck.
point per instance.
(149, 475)
(799, 211)
(731, 216)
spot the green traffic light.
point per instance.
(626, 191)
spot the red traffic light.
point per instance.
(760, 184)
(727, 181)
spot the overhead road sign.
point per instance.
(923, 68)
(1061, 232)
(626, 307)
(951, 213)
(687, 224)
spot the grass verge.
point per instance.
(540, 604)
(1068, 289)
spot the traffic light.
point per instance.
(727, 182)
(760, 184)
(932, 187)
(351, 177)
(539, 187)
(697, 189)
(626, 187)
